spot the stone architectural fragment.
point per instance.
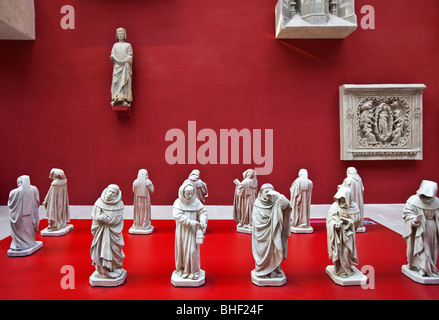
(381, 122)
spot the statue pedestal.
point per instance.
(360, 230)
(124, 111)
(302, 230)
(357, 279)
(244, 230)
(178, 281)
(415, 276)
(96, 281)
(268, 282)
(57, 233)
(27, 252)
(132, 230)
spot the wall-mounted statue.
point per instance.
(190, 226)
(271, 229)
(122, 58)
(23, 206)
(421, 233)
(340, 227)
(142, 188)
(315, 19)
(245, 195)
(354, 181)
(301, 191)
(106, 249)
(201, 186)
(57, 205)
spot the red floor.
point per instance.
(225, 256)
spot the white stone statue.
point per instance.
(191, 222)
(106, 249)
(201, 186)
(57, 205)
(353, 181)
(271, 229)
(244, 199)
(122, 58)
(142, 188)
(421, 233)
(340, 227)
(301, 191)
(23, 206)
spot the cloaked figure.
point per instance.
(106, 249)
(57, 205)
(271, 229)
(142, 188)
(244, 199)
(421, 233)
(340, 227)
(190, 225)
(23, 206)
(200, 185)
(301, 191)
(355, 183)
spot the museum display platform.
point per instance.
(226, 257)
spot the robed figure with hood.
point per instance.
(23, 206)
(244, 199)
(142, 188)
(301, 192)
(354, 181)
(340, 227)
(271, 229)
(57, 205)
(421, 233)
(106, 249)
(190, 225)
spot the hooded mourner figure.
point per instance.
(190, 216)
(271, 229)
(354, 181)
(106, 249)
(57, 201)
(421, 228)
(200, 185)
(340, 227)
(245, 195)
(301, 191)
(23, 206)
(142, 188)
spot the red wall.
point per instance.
(216, 62)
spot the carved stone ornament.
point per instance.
(381, 122)
(315, 19)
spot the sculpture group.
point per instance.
(268, 216)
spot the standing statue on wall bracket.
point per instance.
(23, 206)
(301, 191)
(122, 58)
(421, 233)
(57, 205)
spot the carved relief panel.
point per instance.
(381, 122)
